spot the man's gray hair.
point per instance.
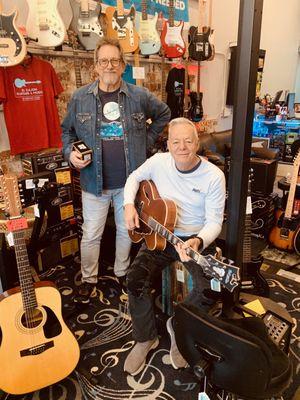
(183, 121)
(105, 41)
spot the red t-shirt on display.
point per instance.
(28, 94)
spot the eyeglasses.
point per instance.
(103, 62)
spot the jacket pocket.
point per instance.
(83, 118)
(138, 123)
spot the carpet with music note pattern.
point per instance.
(103, 329)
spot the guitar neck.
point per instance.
(198, 78)
(292, 191)
(171, 12)
(163, 79)
(26, 283)
(137, 64)
(84, 8)
(120, 7)
(247, 240)
(77, 72)
(144, 10)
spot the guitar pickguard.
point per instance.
(12, 43)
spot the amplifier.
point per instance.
(58, 251)
(44, 161)
(264, 174)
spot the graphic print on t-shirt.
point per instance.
(27, 90)
(111, 111)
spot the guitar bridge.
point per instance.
(35, 350)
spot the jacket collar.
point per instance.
(95, 85)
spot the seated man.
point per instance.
(198, 189)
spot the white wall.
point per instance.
(280, 37)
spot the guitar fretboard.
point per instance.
(171, 12)
(144, 10)
(26, 283)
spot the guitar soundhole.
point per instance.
(32, 319)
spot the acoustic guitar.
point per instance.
(12, 42)
(44, 23)
(200, 46)
(149, 42)
(171, 36)
(121, 26)
(85, 22)
(157, 221)
(37, 349)
(283, 234)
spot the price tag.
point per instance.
(215, 285)
(180, 275)
(10, 239)
(66, 211)
(249, 206)
(203, 396)
(17, 224)
(138, 72)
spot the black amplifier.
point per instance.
(43, 161)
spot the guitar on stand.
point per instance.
(196, 113)
(12, 42)
(121, 26)
(44, 23)
(85, 22)
(157, 221)
(171, 36)
(200, 45)
(285, 233)
(252, 280)
(37, 349)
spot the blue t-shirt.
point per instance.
(112, 136)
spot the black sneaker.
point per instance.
(84, 292)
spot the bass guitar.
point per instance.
(121, 26)
(149, 42)
(171, 36)
(157, 222)
(12, 42)
(283, 234)
(200, 47)
(196, 112)
(85, 22)
(37, 349)
(252, 280)
(44, 23)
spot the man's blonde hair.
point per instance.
(109, 42)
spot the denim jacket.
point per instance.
(136, 105)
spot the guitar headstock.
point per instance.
(12, 202)
(227, 274)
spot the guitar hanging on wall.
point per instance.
(171, 36)
(37, 349)
(85, 22)
(149, 41)
(283, 234)
(44, 23)
(12, 42)
(200, 46)
(157, 222)
(121, 26)
(196, 111)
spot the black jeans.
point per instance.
(144, 270)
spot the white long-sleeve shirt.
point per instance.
(199, 195)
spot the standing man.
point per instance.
(109, 116)
(198, 189)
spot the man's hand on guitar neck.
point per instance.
(195, 243)
(131, 217)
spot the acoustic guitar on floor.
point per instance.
(283, 234)
(37, 348)
(157, 221)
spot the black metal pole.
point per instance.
(250, 17)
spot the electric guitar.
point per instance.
(200, 47)
(283, 234)
(196, 112)
(44, 23)
(157, 221)
(186, 99)
(74, 43)
(171, 36)
(85, 22)
(121, 26)
(252, 280)
(12, 42)
(37, 349)
(149, 42)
